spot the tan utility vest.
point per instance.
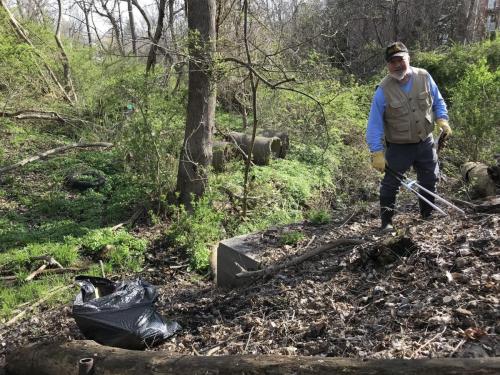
(408, 118)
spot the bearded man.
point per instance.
(405, 107)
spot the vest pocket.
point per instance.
(424, 101)
(397, 108)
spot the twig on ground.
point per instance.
(415, 353)
(248, 340)
(59, 288)
(301, 258)
(463, 341)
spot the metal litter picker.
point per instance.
(411, 185)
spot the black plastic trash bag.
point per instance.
(120, 314)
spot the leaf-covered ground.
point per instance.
(430, 290)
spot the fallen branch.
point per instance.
(48, 259)
(34, 274)
(33, 115)
(293, 261)
(62, 358)
(59, 288)
(53, 151)
(132, 220)
(58, 271)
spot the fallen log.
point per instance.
(63, 359)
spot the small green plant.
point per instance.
(291, 238)
(118, 248)
(319, 217)
(195, 232)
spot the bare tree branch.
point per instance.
(53, 151)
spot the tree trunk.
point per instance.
(86, 11)
(114, 24)
(132, 26)
(464, 20)
(196, 153)
(68, 81)
(156, 38)
(63, 359)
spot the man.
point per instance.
(404, 108)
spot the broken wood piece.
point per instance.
(32, 275)
(294, 261)
(59, 288)
(51, 261)
(33, 115)
(113, 361)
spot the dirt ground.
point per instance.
(431, 289)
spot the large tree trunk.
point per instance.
(196, 153)
(63, 359)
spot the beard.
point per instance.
(399, 75)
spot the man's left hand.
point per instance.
(444, 126)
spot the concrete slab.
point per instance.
(240, 250)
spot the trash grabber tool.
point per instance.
(407, 183)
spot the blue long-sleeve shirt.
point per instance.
(375, 128)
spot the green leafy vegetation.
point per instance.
(144, 117)
(291, 238)
(319, 217)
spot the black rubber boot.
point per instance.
(425, 209)
(387, 212)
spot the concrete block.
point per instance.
(242, 250)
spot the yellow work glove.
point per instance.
(378, 160)
(445, 126)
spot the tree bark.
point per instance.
(132, 26)
(196, 153)
(156, 38)
(115, 24)
(68, 82)
(62, 359)
(86, 11)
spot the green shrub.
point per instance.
(475, 112)
(449, 65)
(196, 232)
(291, 238)
(319, 217)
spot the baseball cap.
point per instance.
(395, 49)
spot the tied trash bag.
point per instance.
(120, 314)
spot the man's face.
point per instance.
(398, 66)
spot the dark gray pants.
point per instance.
(401, 157)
